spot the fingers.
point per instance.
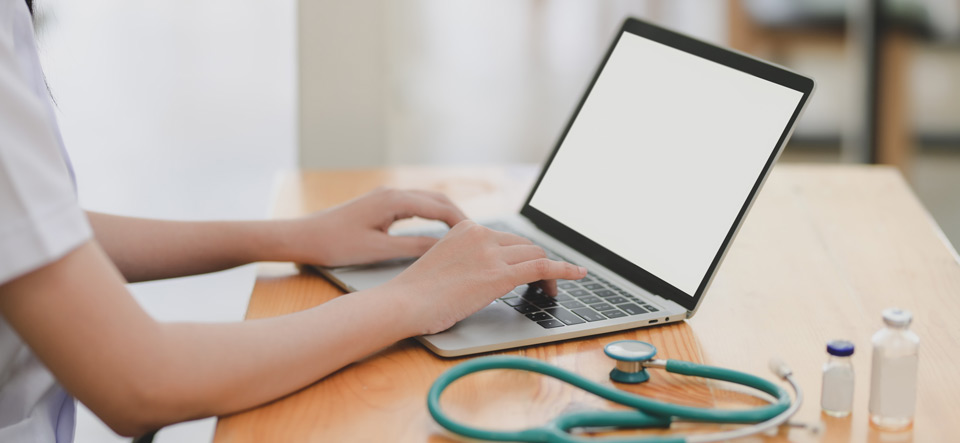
(546, 269)
(415, 204)
(508, 239)
(480, 232)
(528, 261)
(440, 198)
(549, 287)
(514, 254)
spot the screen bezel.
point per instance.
(622, 267)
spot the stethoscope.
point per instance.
(633, 359)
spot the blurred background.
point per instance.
(187, 109)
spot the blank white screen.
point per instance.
(662, 157)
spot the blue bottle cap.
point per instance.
(840, 348)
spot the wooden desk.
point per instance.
(824, 250)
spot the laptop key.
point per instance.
(567, 285)
(538, 316)
(616, 300)
(601, 307)
(526, 308)
(565, 316)
(578, 292)
(513, 301)
(605, 293)
(572, 304)
(532, 295)
(632, 309)
(593, 286)
(545, 303)
(550, 324)
(590, 300)
(650, 308)
(563, 297)
(613, 313)
(588, 314)
(540, 300)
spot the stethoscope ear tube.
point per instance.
(648, 412)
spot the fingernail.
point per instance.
(582, 269)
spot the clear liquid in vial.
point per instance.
(893, 377)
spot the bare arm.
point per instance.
(353, 233)
(137, 374)
(146, 249)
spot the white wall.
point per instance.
(470, 81)
(342, 81)
(178, 97)
(175, 109)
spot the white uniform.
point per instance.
(40, 222)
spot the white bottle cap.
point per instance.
(897, 317)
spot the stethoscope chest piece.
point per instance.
(630, 356)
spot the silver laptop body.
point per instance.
(636, 277)
(501, 326)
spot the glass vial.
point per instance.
(893, 378)
(836, 396)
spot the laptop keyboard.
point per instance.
(589, 299)
(575, 303)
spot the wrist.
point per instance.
(399, 304)
(302, 240)
(275, 240)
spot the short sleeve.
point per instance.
(40, 218)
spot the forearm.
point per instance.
(218, 369)
(137, 374)
(145, 249)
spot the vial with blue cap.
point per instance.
(836, 397)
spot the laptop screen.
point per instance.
(663, 155)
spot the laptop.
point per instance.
(647, 186)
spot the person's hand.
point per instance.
(356, 232)
(469, 268)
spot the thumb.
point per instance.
(408, 245)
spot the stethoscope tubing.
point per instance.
(756, 427)
(648, 412)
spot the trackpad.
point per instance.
(496, 323)
(369, 276)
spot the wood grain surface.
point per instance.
(824, 250)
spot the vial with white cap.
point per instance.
(836, 396)
(893, 378)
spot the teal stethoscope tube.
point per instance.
(649, 413)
